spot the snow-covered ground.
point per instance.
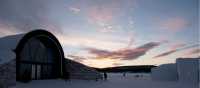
(115, 80)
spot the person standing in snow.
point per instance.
(105, 76)
(66, 75)
(124, 74)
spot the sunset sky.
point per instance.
(106, 33)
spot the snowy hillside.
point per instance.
(7, 45)
(7, 60)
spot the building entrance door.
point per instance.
(36, 71)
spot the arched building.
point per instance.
(39, 55)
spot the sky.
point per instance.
(107, 33)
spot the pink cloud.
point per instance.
(123, 54)
(102, 18)
(193, 51)
(103, 14)
(8, 29)
(106, 11)
(174, 24)
(100, 14)
(177, 45)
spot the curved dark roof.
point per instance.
(11, 43)
(37, 32)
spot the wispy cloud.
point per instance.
(117, 64)
(77, 58)
(7, 29)
(104, 14)
(177, 45)
(183, 47)
(165, 53)
(124, 54)
(74, 10)
(193, 51)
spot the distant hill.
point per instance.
(132, 69)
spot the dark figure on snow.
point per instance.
(66, 75)
(26, 76)
(105, 76)
(124, 74)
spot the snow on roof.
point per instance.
(7, 45)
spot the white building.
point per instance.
(185, 70)
(188, 70)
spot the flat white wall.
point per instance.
(188, 70)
